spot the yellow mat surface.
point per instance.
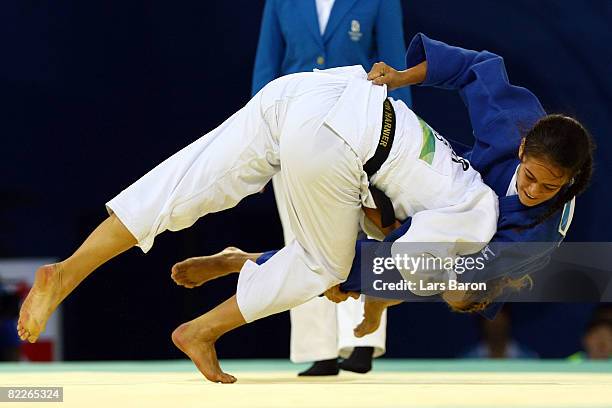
(158, 385)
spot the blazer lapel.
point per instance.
(308, 10)
(338, 11)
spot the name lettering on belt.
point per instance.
(387, 126)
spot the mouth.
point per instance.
(526, 194)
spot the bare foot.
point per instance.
(43, 299)
(373, 309)
(201, 350)
(337, 295)
(194, 272)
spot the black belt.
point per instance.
(387, 133)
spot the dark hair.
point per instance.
(602, 316)
(603, 311)
(597, 323)
(564, 142)
(567, 144)
(478, 300)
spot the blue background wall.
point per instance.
(93, 94)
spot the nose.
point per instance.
(533, 190)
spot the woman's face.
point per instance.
(538, 180)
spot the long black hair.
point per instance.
(478, 300)
(566, 143)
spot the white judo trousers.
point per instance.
(317, 130)
(320, 328)
(323, 176)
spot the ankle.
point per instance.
(198, 331)
(374, 308)
(66, 281)
(363, 353)
(360, 360)
(235, 258)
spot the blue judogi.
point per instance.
(498, 112)
(359, 32)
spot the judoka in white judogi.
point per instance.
(316, 129)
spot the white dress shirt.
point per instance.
(323, 11)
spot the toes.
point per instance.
(175, 271)
(177, 276)
(179, 268)
(225, 379)
(185, 283)
(360, 331)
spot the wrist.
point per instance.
(414, 75)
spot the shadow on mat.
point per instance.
(245, 379)
(352, 381)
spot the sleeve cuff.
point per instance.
(418, 51)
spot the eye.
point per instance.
(550, 188)
(529, 176)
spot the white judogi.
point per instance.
(322, 330)
(317, 129)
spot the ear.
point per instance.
(521, 149)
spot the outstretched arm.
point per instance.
(496, 107)
(383, 74)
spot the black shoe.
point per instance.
(323, 367)
(360, 360)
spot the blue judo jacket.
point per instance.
(499, 113)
